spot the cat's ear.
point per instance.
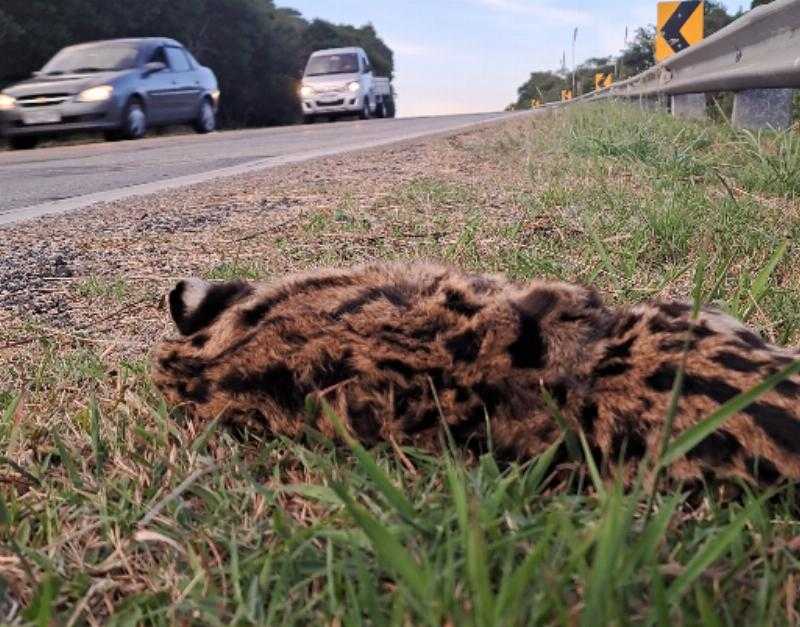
(195, 304)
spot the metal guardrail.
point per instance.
(759, 51)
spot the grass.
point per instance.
(95, 287)
(114, 510)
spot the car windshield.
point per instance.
(86, 59)
(332, 64)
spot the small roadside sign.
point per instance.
(603, 80)
(679, 25)
(599, 79)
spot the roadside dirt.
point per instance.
(98, 275)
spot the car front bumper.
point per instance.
(61, 118)
(331, 104)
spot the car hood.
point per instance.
(62, 84)
(330, 82)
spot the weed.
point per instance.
(96, 287)
(233, 270)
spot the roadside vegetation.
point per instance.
(115, 511)
(637, 56)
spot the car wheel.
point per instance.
(134, 122)
(206, 121)
(389, 108)
(365, 112)
(25, 142)
(309, 119)
(380, 110)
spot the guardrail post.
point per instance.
(689, 106)
(650, 103)
(763, 108)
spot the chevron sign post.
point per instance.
(680, 25)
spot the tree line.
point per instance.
(636, 57)
(257, 50)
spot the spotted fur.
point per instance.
(396, 350)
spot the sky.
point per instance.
(466, 56)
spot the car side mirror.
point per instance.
(153, 68)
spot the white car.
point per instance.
(340, 81)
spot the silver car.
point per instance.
(121, 87)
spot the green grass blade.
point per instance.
(98, 446)
(677, 385)
(708, 616)
(200, 441)
(41, 610)
(367, 462)
(514, 586)
(477, 560)
(708, 554)
(534, 477)
(690, 438)
(760, 283)
(601, 583)
(319, 493)
(68, 461)
(555, 413)
(7, 420)
(652, 535)
(387, 547)
(474, 546)
(593, 471)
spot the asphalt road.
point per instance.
(62, 178)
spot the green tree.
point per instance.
(540, 85)
(585, 72)
(717, 16)
(639, 54)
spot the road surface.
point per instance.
(63, 178)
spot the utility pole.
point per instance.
(574, 39)
(619, 58)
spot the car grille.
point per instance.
(44, 100)
(333, 103)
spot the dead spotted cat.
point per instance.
(395, 349)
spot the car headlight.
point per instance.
(354, 86)
(96, 94)
(306, 91)
(7, 102)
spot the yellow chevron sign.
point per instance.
(603, 80)
(679, 25)
(599, 78)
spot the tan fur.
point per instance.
(397, 348)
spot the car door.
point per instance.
(158, 88)
(185, 85)
(366, 80)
